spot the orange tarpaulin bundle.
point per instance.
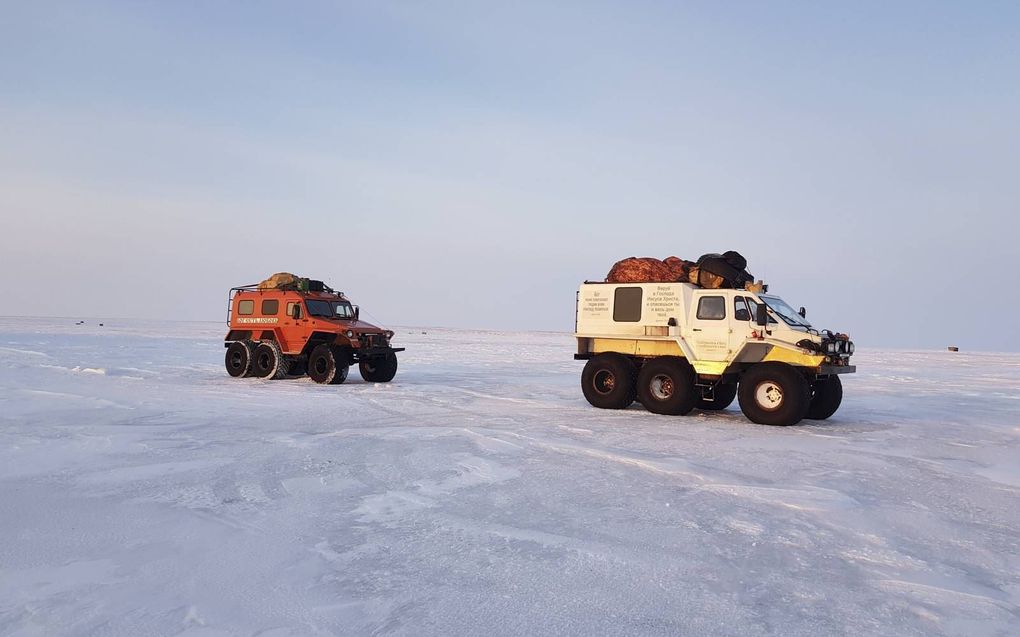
(712, 271)
(649, 270)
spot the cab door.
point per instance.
(713, 329)
(294, 331)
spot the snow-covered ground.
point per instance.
(144, 492)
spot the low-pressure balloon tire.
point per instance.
(380, 369)
(774, 394)
(608, 381)
(238, 359)
(325, 366)
(723, 395)
(827, 396)
(666, 386)
(269, 361)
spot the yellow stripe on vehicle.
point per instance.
(636, 347)
(784, 355)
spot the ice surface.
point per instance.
(144, 492)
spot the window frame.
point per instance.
(627, 304)
(743, 301)
(309, 306)
(276, 307)
(243, 303)
(701, 301)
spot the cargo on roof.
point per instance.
(288, 281)
(713, 271)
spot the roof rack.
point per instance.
(254, 287)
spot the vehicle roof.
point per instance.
(325, 296)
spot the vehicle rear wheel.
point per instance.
(325, 366)
(269, 361)
(828, 394)
(666, 386)
(774, 394)
(379, 370)
(722, 397)
(238, 359)
(608, 381)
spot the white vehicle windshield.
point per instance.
(785, 312)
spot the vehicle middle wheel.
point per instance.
(774, 394)
(238, 359)
(666, 386)
(379, 370)
(326, 366)
(269, 361)
(608, 381)
(828, 394)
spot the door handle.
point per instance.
(695, 329)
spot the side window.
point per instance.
(270, 307)
(290, 307)
(740, 311)
(712, 308)
(753, 305)
(246, 307)
(627, 305)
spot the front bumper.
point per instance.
(836, 369)
(362, 353)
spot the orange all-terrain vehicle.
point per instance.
(303, 326)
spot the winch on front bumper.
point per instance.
(373, 346)
(837, 348)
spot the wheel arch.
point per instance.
(316, 338)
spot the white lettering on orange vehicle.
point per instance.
(243, 320)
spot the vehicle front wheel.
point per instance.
(828, 394)
(325, 366)
(379, 370)
(722, 397)
(666, 386)
(608, 381)
(238, 359)
(774, 394)
(269, 361)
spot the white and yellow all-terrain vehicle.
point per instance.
(676, 346)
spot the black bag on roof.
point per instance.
(731, 266)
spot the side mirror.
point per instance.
(357, 312)
(802, 312)
(296, 313)
(761, 315)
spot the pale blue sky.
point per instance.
(467, 164)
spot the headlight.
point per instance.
(850, 347)
(349, 333)
(830, 347)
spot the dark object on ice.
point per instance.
(100, 325)
(649, 270)
(953, 348)
(731, 266)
